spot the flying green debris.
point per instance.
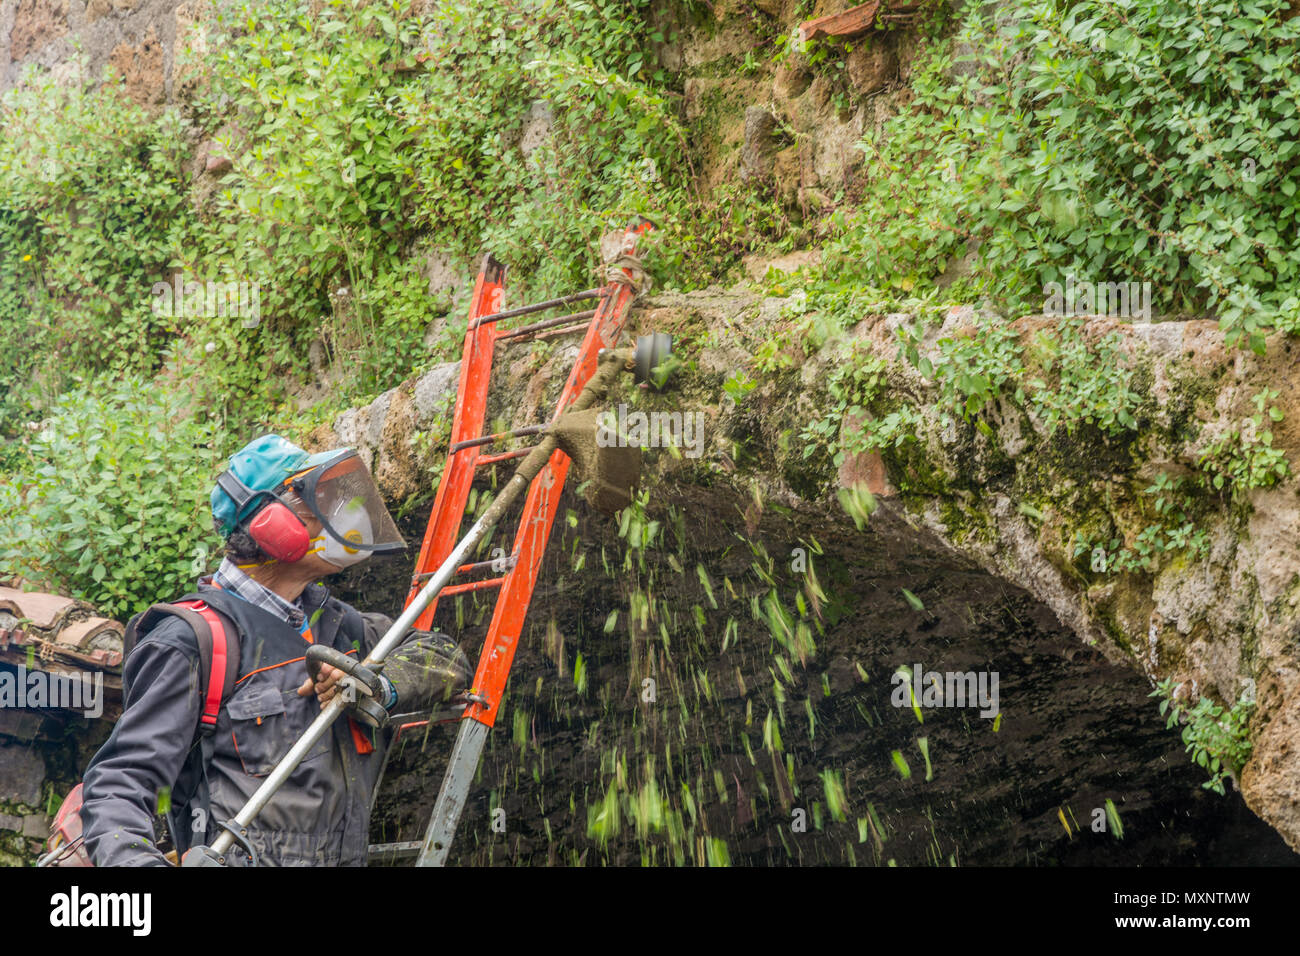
(923, 744)
(900, 764)
(906, 673)
(833, 787)
(875, 821)
(772, 735)
(913, 600)
(858, 503)
(717, 852)
(1029, 511)
(603, 818)
(707, 585)
(1112, 818)
(730, 632)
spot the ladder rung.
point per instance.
(504, 456)
(538, 307)
(499, 436)
(565, 330)
(472, 586)
(394, 851)
(545, 324)
(494, 564)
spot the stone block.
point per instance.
(434, 392)
(22, 771)
(36, 23)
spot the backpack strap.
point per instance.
(219, 654)
(218, 650)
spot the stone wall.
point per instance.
(1215, 625)
(757, 108)
(77, 40)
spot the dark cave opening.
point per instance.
(740, 746)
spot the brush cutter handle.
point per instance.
(363, 681)
(318, 655)
(209, 856)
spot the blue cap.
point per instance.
(263, 465)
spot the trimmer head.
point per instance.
(652, 352)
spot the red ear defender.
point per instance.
(280, 533)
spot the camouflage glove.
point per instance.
(428, 672)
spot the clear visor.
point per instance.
(342, 496)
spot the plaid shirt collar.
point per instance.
(231, 578)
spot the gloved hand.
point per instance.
(428, 671)
(369, 695)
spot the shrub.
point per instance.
(1218, 738)
(113, 506)
(93, 210)
(1144, 140)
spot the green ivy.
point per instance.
(1080, 381)
(93, 210)
(1148, 140)
(1217, 737)
(1172, 530)
(113, 503)
(1243, 457)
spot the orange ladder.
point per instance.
(516, 574)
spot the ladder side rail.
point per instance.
(540, 508)
(471, 406)
(517, 588)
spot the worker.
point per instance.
(288, 519)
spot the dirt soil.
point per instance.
(589, 770)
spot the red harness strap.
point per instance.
(360, 739)
(217, 676)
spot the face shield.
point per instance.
(342, 496)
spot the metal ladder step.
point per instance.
(537, 307)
